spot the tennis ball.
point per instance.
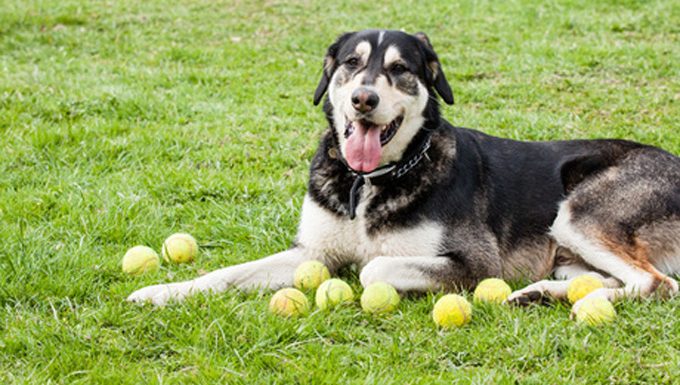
(452, 310)
(379, 297)
(581, 286)
(595, 311)
(492, 290)
(140, 259)
(289, 302)
(333, 292)
(310, 274)
(179, 248)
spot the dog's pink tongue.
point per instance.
(363, 148)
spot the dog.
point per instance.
(426, 206)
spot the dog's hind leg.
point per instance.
(272, 272)
(557, 289)
(627, 261)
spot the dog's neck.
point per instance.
(388, 173)
(331, 180)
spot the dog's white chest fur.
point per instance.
(325, 235)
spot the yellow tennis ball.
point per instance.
(492, 290)
(581, 286)
(379, 297)
(333, 292)
(179, 248)
(140, 259)
(289, 302)
(310, 274)
(595, 311)
(452, 310)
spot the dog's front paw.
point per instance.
(158, 295)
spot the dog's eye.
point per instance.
(398, 69)
(352, 62)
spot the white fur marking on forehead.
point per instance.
(392, 54)
(381, 37)
(363, 49)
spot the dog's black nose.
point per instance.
(364, 100)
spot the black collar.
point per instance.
(387, 173)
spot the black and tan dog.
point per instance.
(427, 206)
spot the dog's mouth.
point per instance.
(387, 131)
(365, 140)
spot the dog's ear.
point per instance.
(435, 74)
(329, 66)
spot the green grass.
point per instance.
(125, 121)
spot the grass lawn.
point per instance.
(125, 121)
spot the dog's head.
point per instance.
(381, 92)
